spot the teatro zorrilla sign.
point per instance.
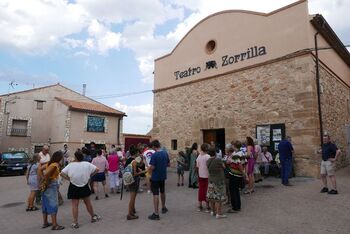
(226, 60)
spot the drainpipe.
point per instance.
(318, 89)
(118, 135)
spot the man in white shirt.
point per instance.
(147, 154)
(44, 155)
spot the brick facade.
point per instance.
(281, 92)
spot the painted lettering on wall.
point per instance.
(227, 60)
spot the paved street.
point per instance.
(272, 209)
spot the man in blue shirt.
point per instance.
(285, 150)
(158, 168)
(330, 153)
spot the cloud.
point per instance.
(101, 38)
(28, 79)
(139, 119)
(86, 27)
(35, 26)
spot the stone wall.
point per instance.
(280, 92)
(335, 96)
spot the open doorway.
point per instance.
(215, 135)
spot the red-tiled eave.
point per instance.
(97, 108)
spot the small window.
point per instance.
(40, 105)
(210, 47)
(174, 144)
(19, 127)
(37, 149)
(95, 124)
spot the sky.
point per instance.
(110, 45)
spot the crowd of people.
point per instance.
(219, 176)
(87, 169)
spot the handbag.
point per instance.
(43, 185)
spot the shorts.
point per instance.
(327, 168)
(157, 186)
(180, 171)
(134, 187)
(75, 192)
(99, 177)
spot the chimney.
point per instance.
(84, 89)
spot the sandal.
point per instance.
(46, 225)
(57, 228)
(75, 225)
(95, 218)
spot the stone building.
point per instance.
(55, 115)
(241, 73)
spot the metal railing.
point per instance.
(18, 132)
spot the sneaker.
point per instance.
(149, 191)
(75, 225)
(164, 210)
(106, 195)
(212, 213)
(96, 198)
(154, 217)
(207, 210)
(200, 209)
(178, 185)
(95, 218)
(221, 216)
(182, 184)
(324, 190)
(333, 192)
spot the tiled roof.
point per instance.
(90, 107)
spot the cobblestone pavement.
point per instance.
(273, 208)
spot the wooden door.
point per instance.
(209, 136)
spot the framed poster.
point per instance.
(95, 124)
(276, 146)
(277, 134)
(263, 134)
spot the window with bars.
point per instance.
(19, 127)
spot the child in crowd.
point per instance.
(201, 163)
(180, 167)
(33, 181)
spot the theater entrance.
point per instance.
(215, 135)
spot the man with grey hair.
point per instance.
(44, 156)
(330, 153)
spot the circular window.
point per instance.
(210, 47)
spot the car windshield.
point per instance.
(13, 155)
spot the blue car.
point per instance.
(13, 163)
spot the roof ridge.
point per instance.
(34, 89)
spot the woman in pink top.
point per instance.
(203, 175)
(250, 165)
(113, 171)
(102, 165)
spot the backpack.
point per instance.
(127, 175)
